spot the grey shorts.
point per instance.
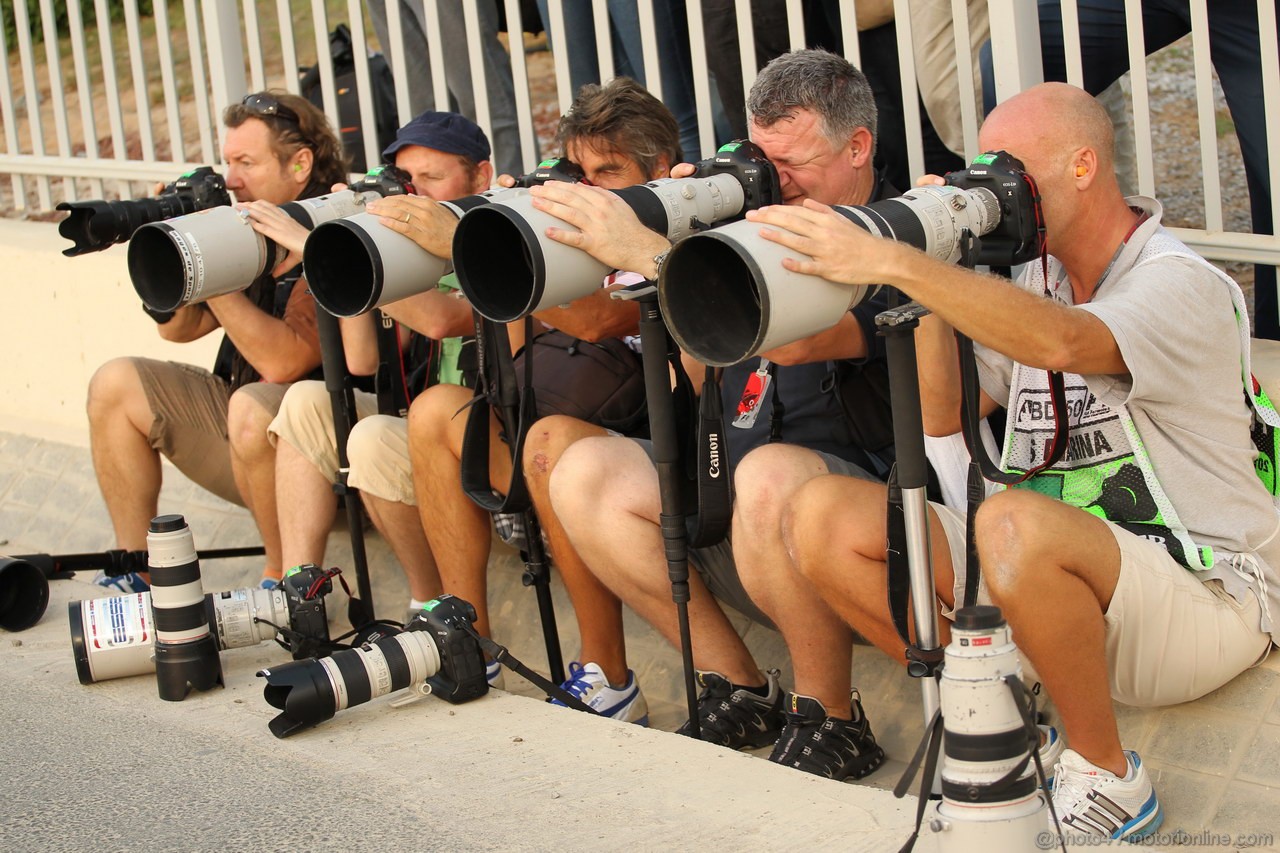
(189, 407)
(716, 566)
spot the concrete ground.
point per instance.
(112, 767)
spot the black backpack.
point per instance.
(344, 71)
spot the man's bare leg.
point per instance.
(128, 470)
(605, 492)
(401, 526)
(598, 610)
(1052, 569)
(253, 464)
(457, 529)
(820, 642)
(307, 506)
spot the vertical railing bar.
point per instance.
(795, 24)
(9, 113)
(1071, 43)
(111, 86)
(435, 53)
(324, 59)
(396, 55)
(1269, 57)
(1015, 46)
(288, 48)
(604, 41)
(364, 87)
(559, 54)
(965, 78)
(199, 81)
(649, 49)
(520, 78)
(32, 92)
(849, 32)
(1207, 115)
(1141, 96)
(168, 75)
(701, 83)
(253, 40)
(84, 91)
(138, 71)
(910, 89)
(225, 52)
(53, 60)
(479, 77)
(746, 46)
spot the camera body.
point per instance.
(384, 180)
(97, 225)
(1019, 232)
(745, 161)
(552, 169)
(305, 588)
(461, 677)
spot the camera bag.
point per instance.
(558, 374)
(601, 383)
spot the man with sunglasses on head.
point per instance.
(278, 148)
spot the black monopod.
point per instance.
(24, 579)
(337, 381)
(657, 353)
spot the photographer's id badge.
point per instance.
(752, 395)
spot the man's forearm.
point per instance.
(274, 348)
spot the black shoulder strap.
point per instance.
(514, 404)
(981, 465)
(389, 382)
(710, 524)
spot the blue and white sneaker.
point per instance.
(269, 583)
(1050, 751)
(1094, 801)
(493, 674)
(126, 584)
(588, 683)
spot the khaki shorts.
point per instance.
(1170, 637)
(189, 426)
(377, 448)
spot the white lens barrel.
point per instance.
(384, 666)
(243, 617)
(356, 264)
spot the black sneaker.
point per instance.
(826, 746)
(738, 719)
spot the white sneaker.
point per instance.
(1094, 801)
(588, 683)
(493, 674)
(1050, 751)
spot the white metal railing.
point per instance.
(158, 82)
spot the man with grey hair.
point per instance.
(814, 116)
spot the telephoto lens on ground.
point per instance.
(113, 637)
(185, 649)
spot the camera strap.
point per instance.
(500, 654)
(497, 390)
(710, 524)
(389, 382)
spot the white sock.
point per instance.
(415, 605)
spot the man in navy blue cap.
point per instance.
(446, 156)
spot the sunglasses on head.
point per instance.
(265, 105)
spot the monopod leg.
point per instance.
(336, 382)
(898, 328)
(666, 456)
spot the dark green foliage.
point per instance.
(115, 8)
